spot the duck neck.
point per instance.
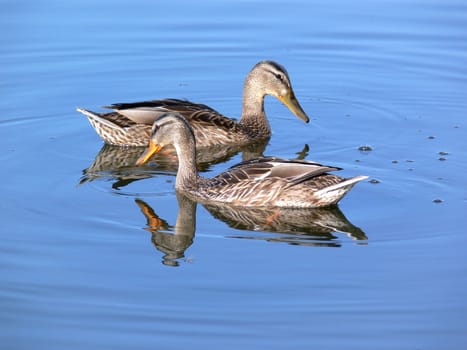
(187, 174)
(186, 218)
(253, 115)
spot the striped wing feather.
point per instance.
(294, 171)
(148, 111)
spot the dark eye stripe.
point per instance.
(155, 127)
(280, 77)
(165, 121)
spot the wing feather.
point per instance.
(295, 171)
(148, 111)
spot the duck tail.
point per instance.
(332, 194)
(96, 119)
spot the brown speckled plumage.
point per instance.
(130, 124)
(260, 182)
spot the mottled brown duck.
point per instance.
(260, 182)
(130, 123)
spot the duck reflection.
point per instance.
(309, 227)
(171, 240)
(119, 162)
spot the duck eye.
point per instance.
(155, 128)
(279, 76)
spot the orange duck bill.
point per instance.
(150, 151)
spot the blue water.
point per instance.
(81, 269)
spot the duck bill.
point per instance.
(292, 103)
(150, 151)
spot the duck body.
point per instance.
(275, 182)
(260, 182)
(130, 123)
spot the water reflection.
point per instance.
(119, 162)
(171, 240)
(309, 227)
(315, 226)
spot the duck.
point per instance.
(258, 182)
(130, 123)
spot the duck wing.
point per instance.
(294, 171)
(147, 112)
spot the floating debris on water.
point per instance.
(431, 137)
(395, 161)
(374, 181)
(438, 200)
(365, 148)
(442, 153)
(409, 161)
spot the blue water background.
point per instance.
(78, 268)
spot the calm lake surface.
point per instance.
(83, 264)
